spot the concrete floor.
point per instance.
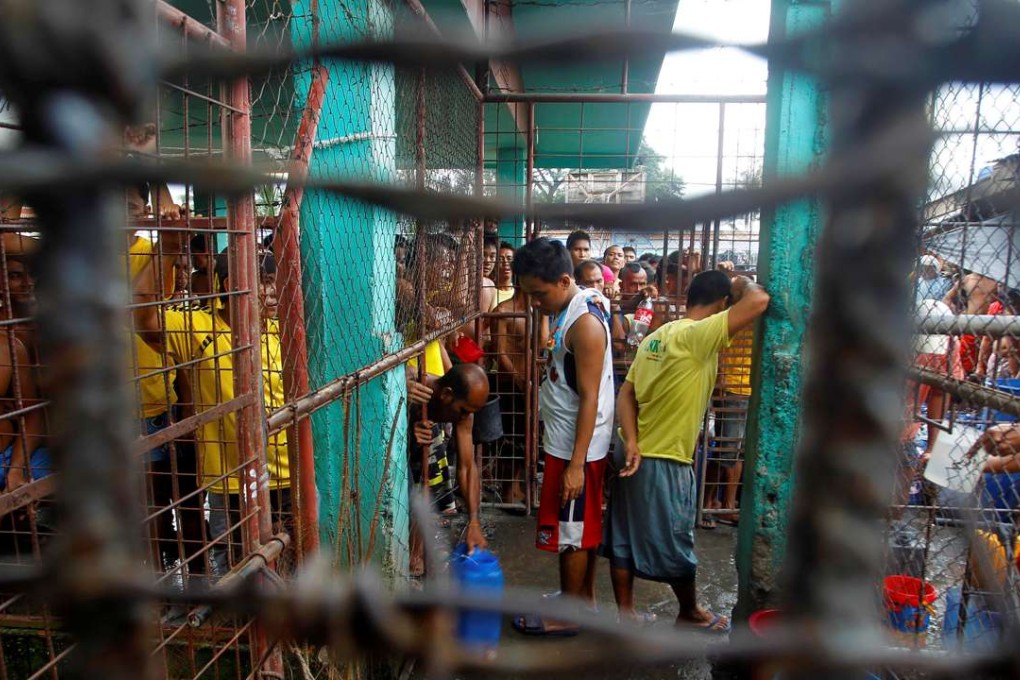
(512, 539)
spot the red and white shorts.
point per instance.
(577, 526)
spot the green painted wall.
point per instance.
(511, 178)
(347, 256)
(795, 139)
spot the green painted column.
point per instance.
(511, 178)
(349, 289)
(795, 139)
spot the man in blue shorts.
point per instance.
(650, 521)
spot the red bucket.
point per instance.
(905, 591)
(763, 620)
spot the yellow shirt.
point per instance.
(501, 297)
(156, 390)
(735, 364)
(274, 398)
(196, 335)
(673, 375)
(433, 360)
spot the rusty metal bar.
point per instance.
(717, 223)
(300, 448)
(245, 322)
(531, 330)
(853, 393)
(191, 27)
(29, 493)
(332, 391)
(968, 391)
(191, 423)
(618, 98)
(993, 326)
(81, 331)
(419, 10)
(262, 558)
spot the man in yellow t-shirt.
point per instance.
(649, 527)
(732, 401)
(202, 339)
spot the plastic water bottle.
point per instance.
(478, 574)
(642, 320)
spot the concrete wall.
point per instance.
(347, 258)
(795, 138)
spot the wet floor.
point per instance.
(512, 539)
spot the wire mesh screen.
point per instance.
(272, 325)
(634, 153)
(953, 527)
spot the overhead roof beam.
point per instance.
(493, 20)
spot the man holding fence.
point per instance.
(650, 522)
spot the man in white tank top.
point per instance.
(577, 405)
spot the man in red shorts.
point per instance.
(577, 406)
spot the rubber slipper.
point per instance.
(728, 521)
(535, 625)
(707, 523)
(711, 627)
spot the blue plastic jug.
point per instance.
(478, 574)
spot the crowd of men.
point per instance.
(620, 423)
(181, 358)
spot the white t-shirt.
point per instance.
(558, 396)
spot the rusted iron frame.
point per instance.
(625, 76)
(29, 493)
(419, 10)
(852, 397)
(190, 26)
(967, 391)
(300, 444)
(617, 98)
(717, 223)
(229, 645)
(245, 323)
(532, 330)
(198, 95)
(419, 533)
(335, 389)
(40, 488)
(83, 344)
(264, 557)
(994, 326)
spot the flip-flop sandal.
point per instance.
(711, 627)
(535, 625)
(707, 523)
(730, 522)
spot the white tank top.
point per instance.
(558, 397)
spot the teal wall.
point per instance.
(511, 179)
(795, 139)
(347, 257)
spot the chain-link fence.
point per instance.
(273, 317)
(951, 481)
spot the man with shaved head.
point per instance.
(452, 398)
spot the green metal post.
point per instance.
(511, 175)
(349, 287)
(795, 139)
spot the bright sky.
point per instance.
(687, 134)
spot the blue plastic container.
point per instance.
(478, 574)
(1011, 386)
(982, 630)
